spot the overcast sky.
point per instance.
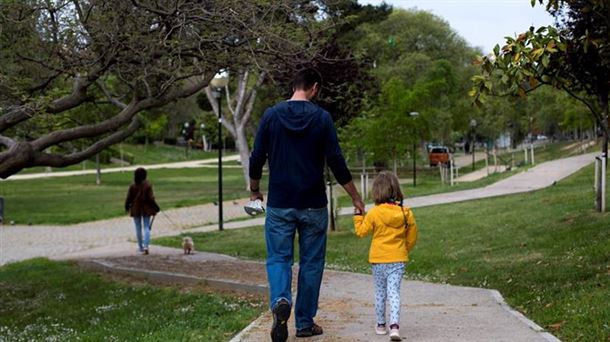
(483, 23)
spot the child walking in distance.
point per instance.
(394, 235)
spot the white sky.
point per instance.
(483, 23)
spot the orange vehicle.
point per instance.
(438, 155)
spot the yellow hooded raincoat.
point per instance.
(392, 241)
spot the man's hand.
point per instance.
(351, 190)
(358, 205)
(255, 190)
(254, 195)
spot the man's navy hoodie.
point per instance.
(297, 137)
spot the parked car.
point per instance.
(438, 155)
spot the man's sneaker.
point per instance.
(281, 313)
(380, 329)
(311, 331)
(394, 333)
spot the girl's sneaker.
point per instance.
(394, 333)
(380, 329)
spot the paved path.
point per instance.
(176, 165)
(480, 174)
(462, 160)
(430, 312)
(24, 242)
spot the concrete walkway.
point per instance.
(176, 165)
(25, 242)
(462, 160)
(430, 312)
(481, 173)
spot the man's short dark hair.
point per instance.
(306, 78)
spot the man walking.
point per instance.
(298, 138)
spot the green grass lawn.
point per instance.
(547, 252)
(41, 300)
(77, 199)
(157, 154)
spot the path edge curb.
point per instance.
(497, 296)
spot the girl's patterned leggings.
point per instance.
(387, 285)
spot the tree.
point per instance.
(240, 107)
(429, 66)
(347, 81)
(573, 57)
(59, 55)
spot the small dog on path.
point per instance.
(188, 245)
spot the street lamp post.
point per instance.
(473, 125)
(218, 83)
(414, 115)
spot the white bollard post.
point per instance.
(366, 185)
(440, 170)
(533, 161)
(362, 186)
(451, 171)
(486, 162)
(596, 179)
(525, 153)
(603, 185)
(512, 162)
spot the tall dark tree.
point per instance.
(346, 73)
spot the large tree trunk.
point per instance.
(605, 130)
(239, 107)
(244, 154)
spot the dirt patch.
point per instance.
(245, 272)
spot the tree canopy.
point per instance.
(61, 58)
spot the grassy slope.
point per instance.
(53, 301)
(547, 252)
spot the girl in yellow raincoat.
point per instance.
(394, 235)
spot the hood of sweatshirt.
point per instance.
(297, 116)
(392, 215)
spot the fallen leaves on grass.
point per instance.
(556, 326)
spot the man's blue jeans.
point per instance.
(281, 224)
(142, 240)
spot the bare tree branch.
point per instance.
(6, 141)
(251, 98)
(111, 99)
(88, 131)
(57, 160)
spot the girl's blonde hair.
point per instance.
(386, 188)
